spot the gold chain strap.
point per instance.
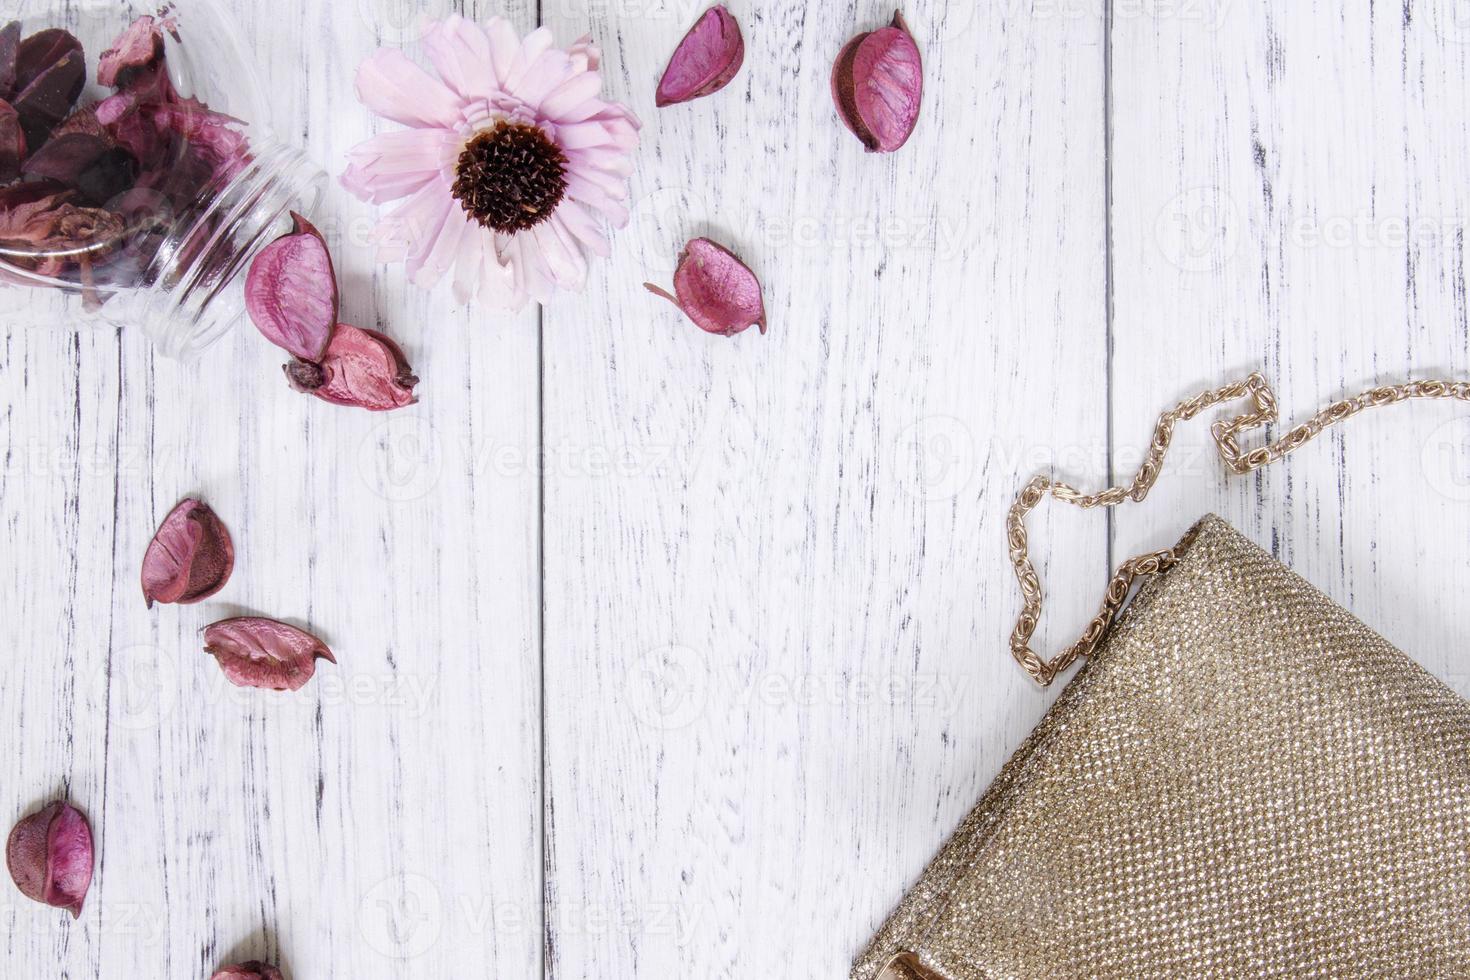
(1226, 432)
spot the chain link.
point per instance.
(1263, 412)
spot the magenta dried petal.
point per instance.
(9, 50)
(12, 143)
(878, 86)
(362, 368)
(50, 857)
(716, 290)
(705, 61)
(257, 652)
(253, 970)
(138, 48)
(190, 557)
(291, 292)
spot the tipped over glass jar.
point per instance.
(136, 173)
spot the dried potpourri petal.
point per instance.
(190, 557)
(12, 143)
(51, 72)
(716, 290)
(50, 857)
(291, 292)
(878, 86)
(9, 50)
(705, 61)
(97, 169)
(361, 368)
(253, 970)
(139, 49)
(257, 652)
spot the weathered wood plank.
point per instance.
(1289, 196)
(775, 664)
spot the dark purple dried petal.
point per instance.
(9, 49)
(51, 72)
(291, 292)
(253, 970)
(138, 49)
(257, 652)
(361, 368)
(50, 857)
(64, 158)
(878, 86)
(12, 143)
(705, 61)
(190, 557)
(716, 290)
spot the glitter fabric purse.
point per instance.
(1242, 781)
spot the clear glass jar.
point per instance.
(137, 173)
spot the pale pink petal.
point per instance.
(445, 251)
(460, 51)
(549, 72)
(439, 218)
(584, 226)
(607, 162)
(564, 263)
(505, 45)
(584, 134)
(381, 190)
(592, 196)
(468, 262)
(498, 279)
(408, 223)
(586, 54)
(391, 165)
(394, 87)
(571, 95)
(537, 43)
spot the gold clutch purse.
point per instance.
(1242, 781)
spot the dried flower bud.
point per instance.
(190, 558)
(705, 61)
(361, 368)
(50, 857)
(715, 290)
(291, 292)
(253, 970)
(257, 652)
(878, 85)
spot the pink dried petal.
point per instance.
(12, 143)
(253, 970)
(190, 558)
(291, 292)
(138, 49)
(257, 652)
(705, 61)
(361, 368)
(716, 290)
(50, 857)
(878, 86)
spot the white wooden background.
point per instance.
(664, 655)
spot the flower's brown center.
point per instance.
(511, 177)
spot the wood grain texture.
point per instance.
(774, 671)
(770, 569)
(1289, 195)
(385, 821)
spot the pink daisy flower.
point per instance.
(510, 166)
